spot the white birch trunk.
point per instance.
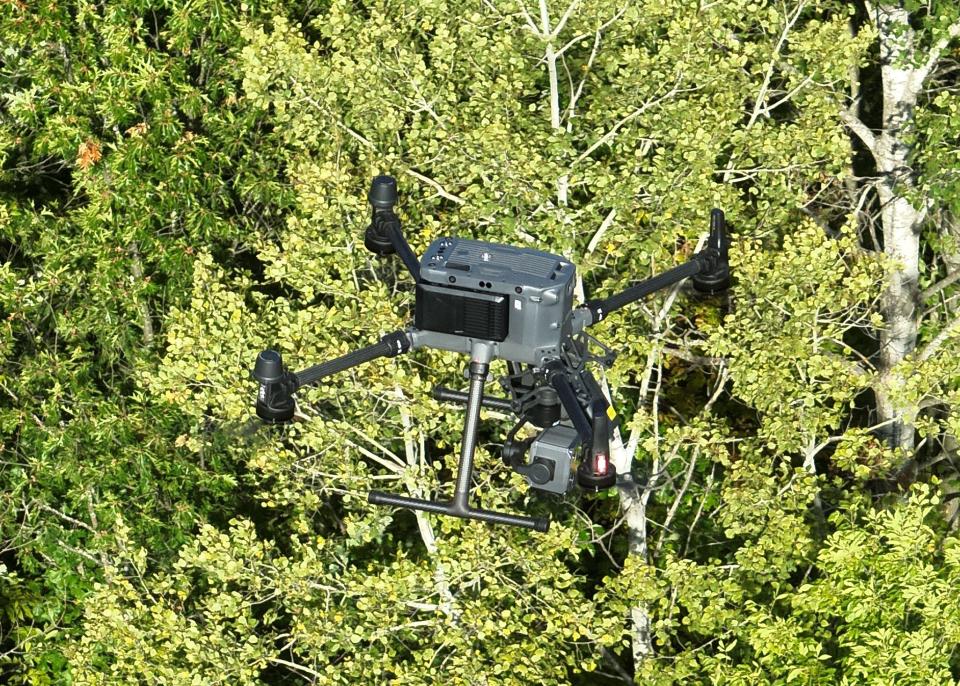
(904, 73)
(902, 83)
(633, 499)
(136, 269)
(633, 502)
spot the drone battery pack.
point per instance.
(462, 312)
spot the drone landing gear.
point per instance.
(460, 506)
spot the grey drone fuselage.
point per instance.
(518, 300)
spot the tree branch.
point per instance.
(863, 133)
(553, 35)
(761, 96)
(530, 23)
(66, 517)
(136, 266)
(931, 348)
(441, 191)
(690, 357)
(294, 666)
(940, 285)
(671, 513)
(615, 664)
(604, 225)
(933, 58)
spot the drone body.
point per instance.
(494, 301)
(517, 299)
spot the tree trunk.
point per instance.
(136, 267)
(633, 502)
(901, 220)
(904, 71)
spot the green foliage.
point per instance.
(182, 185)
(875, 606)
(887, 588)
(796, 306)
(194, 624)
(125, 148)
(234, 607)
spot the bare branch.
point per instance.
(948, 280)
(82, 553)
(793, 91)
(604, 225)
(294, 666)
(933, 57)
(393, 467)
(136, 267)
(703, 501)
(612, 660)
(575, 95)
(441, 191)
(530, 23)
(863, 133)
(563, 20)
(948, 330)
(67, 518)
(690, 357)
(298, 88)
(688, 477)
(573, 41)
(761, 96)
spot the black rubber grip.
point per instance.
(449, 395)
(535, 523)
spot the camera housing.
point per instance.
(555, 448)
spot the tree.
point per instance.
(913, 40)
(123, 150)
(459, 112)
(742, 544)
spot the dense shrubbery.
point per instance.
(183, 184)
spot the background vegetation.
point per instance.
(182, 183)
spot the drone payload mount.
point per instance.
(493, 301)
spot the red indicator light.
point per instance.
(601, 464)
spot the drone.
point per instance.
(493, 301)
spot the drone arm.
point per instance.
(597, 471)
(391, 224)
(568, 398)
(390, 345)
(277, 385)
(710, 268)
(384, 235)
(599, 309)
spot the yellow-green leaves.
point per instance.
(795, 307)
(196, 624)
(188, 187)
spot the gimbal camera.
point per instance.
(494, 301)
